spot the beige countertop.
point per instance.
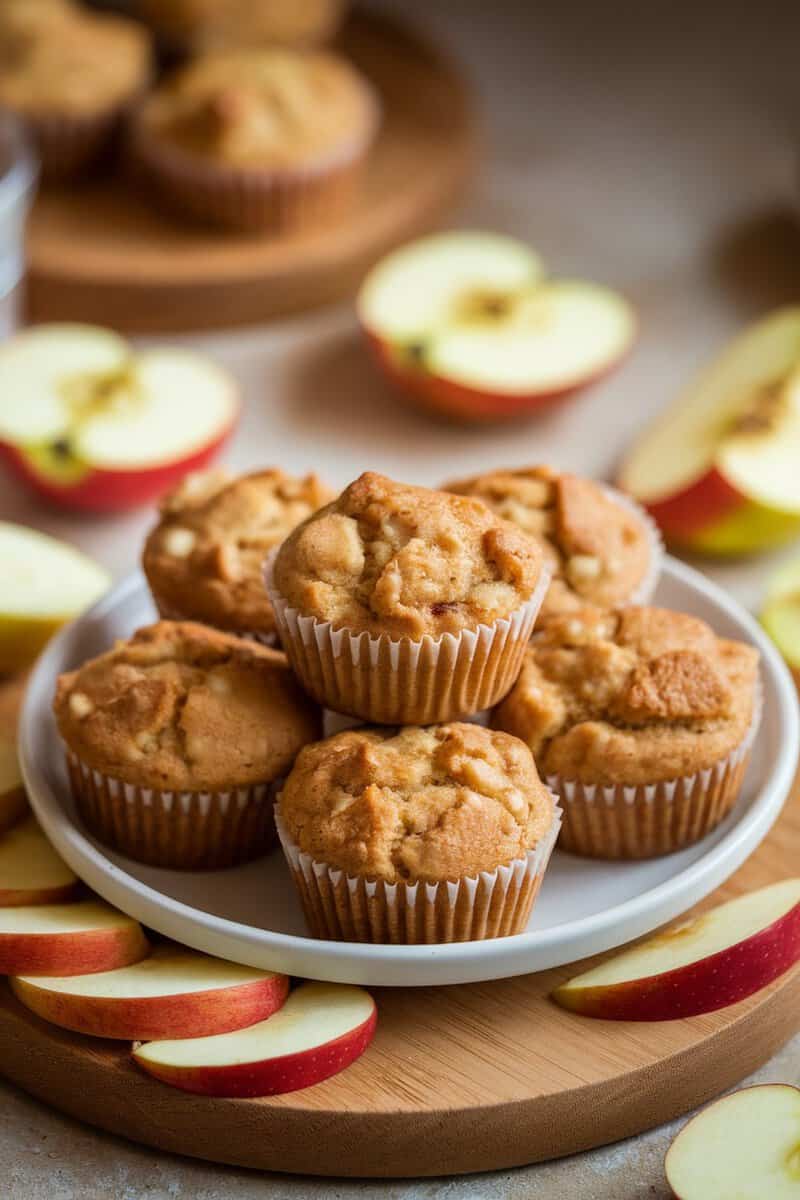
(653, 150)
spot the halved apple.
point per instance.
(705, 963)
(780, 615)
(320, 1030)
(173, 993)
(31, 872)
(93, 424)
(68, 939)
(719, 470)
(745, 1146)
(45, 583)
(13, 803)
(470, 327)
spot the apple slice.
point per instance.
(320, 1030)
(780, 615)
(91, 423)
(30, 870)
(68, 939)
(174, 993)
(468, 325)
(718, 471)
(707, 962)
(45, 583)
(745, 1146)
(13, 804)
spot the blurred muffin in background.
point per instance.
(197, 26)
(257, 139)
(70, 74)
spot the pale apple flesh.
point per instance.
(321, 1029)
(780, 615)
(745, 1146)
(706, 963)
(13, 802)
(718, 471)
(45, 582)
(31, 872)
(467, 324)
(90, 423)
(173, 993)
(68, 939)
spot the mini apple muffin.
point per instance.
(175, 740)
(601, 547)
(198, 26)
(204, 558)
(70, 75)
(440, 834)
(406, 606)
(641, 720)
(258, 139)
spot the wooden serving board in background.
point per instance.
(458, 1079)
(102, 252)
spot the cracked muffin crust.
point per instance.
(204, 558)
(388, 558)
(598, 551)
(431, 804)
(180, 707)
(631, 697)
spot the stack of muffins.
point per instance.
(410, 610)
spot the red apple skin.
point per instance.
(150, 1018)
(458, 402)
(80, 952)
(20, 897)
(700, 506)
(106, 491)
(272, 1076)
(708, 984)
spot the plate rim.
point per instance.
(417, 966)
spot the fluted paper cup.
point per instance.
(182, 830)
(646, 820)
(341, 907)
(406, 681)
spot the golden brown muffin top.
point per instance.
(406, 561)
(429, 804)
(182, 707)
(204, 25)
(628, 697)
(263, 108)
(59, 58)
(598, 552)
(205, 556)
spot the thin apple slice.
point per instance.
(173, 993)
(45, 583)
(320, 1030)
(718, 470)
(68, 939)
(705, 963)
(30, 870)
(780, 615)
(13, 802)
(745, 1146)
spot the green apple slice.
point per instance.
(780, 615)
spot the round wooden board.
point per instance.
(101, 252)
(458, 1079)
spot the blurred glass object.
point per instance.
(19, 171)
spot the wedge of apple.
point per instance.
(780, 615)
(745, 1146)
(13, 803)
(468, 325)
(718, 471)
(45, 583)
(68, 939)
(173, 993)
(705, 963)
(91, 423)
(30, 870)
(320, 1030)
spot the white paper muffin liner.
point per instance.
(182, 830)
(643, 593)
(263, 637)
(348, 908)
(643, 821)
(405, 681)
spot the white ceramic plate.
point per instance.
(250, 914)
